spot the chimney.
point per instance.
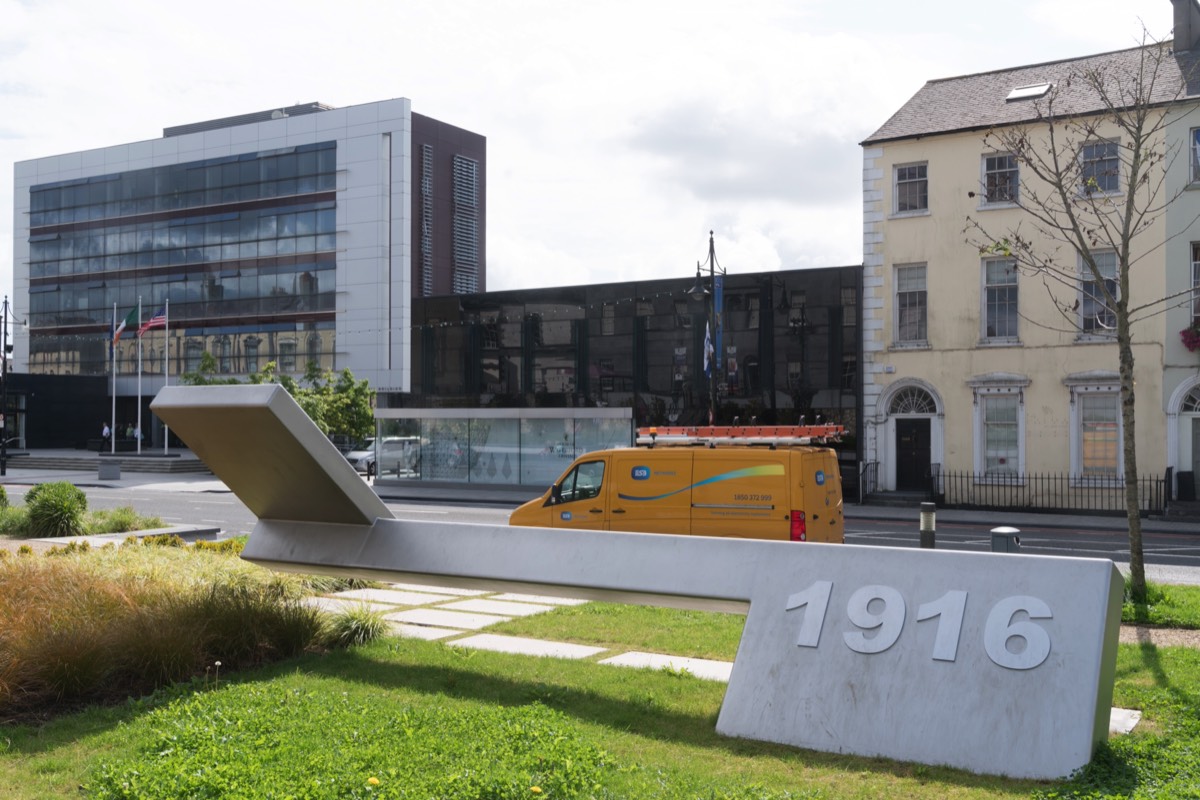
(1187, 25)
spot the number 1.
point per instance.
(816, 599)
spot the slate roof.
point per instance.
(974, 102)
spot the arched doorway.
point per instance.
(1183, 438)
(914, 435)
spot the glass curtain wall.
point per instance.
(242, 247)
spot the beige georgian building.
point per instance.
(969, 368)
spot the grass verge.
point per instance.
(408, 718)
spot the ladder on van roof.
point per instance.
(724, 435)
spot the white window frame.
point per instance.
(1089, 161)
(1012, 169)
(897, 182)
(1090, 301)
(985, 303)
(1094, 385)
(1194, 156)
(1195, 283)
(990, 387)
(897, 325)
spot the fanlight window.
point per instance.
(913, 400)
(1191, 403)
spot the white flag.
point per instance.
(708, 351)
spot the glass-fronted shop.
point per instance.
(500, 446)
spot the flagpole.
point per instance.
(112, 357)
(137, 432)
(166, 362)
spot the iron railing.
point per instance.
(868, 480)
(1057, 492)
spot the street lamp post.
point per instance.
(700, 291)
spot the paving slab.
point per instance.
(393, 596)
(539, 598)
(1122, 720)
(335, 605)
(420, 631)
(420, 587)
(489, 606)
(526, 647)
(700, 667)
(439, 618)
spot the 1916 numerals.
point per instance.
(878, 614)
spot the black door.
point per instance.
(912, 454)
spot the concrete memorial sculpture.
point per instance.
(993, 663)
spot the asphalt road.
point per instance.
(224, 510)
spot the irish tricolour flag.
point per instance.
(130, 321)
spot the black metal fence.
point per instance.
(868, 479)
(1043, 492)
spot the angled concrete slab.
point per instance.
(989, 662)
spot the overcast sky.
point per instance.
(619, 131)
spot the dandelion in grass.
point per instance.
(535, 789)
(373, 781)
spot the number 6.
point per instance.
(1000, 628)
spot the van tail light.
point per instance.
(799, 527)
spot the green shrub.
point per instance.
(164, 540)
(55, 509)
(12, 520)
(356, 625)
(120, 520)
(231, 547)
(3, 497)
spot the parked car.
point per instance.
(401, 455)
(362, 456)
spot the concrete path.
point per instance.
(455, 616)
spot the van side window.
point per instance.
(583, 482)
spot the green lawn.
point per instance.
(408, 718)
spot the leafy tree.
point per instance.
(338, 404)
(206, 373)
(1067, 207)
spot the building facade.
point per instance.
(980, 369)
(295, 236)
(785, 349)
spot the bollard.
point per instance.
(1006, 540)
(928, 524)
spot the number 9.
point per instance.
(886, 624)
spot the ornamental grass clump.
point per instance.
(103, 625)
(55, 509)
(354, 626)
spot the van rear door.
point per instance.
(817, 487)
(651, 490)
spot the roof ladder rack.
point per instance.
(726, 435)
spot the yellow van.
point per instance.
(754, 483)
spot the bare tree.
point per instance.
(1086, 193)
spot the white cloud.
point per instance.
(619, 133)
